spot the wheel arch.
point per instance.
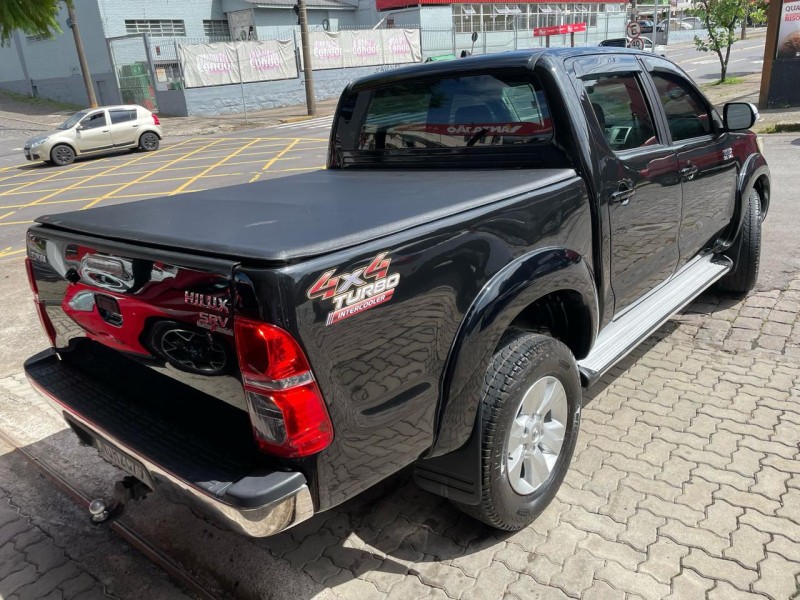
(67, 143)
(754, 174)
(153, 131)
(511, 298)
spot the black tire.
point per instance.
(523, 361)
(745, 251)
(149, 141)
(62, 155)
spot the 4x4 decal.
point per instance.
(357, 291)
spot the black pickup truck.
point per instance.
(491, 235)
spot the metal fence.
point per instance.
(133, 70)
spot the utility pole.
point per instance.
(87, 77)
(308, 72)
(655, 24)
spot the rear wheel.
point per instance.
(62, 155)
(529, 426)
(149, 141)
(745, 251)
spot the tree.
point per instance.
(720, 17)
(34, 17)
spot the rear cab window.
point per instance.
(451, 118)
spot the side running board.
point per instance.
(627, 331)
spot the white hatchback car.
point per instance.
(96, 131)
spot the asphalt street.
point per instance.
(747, 56)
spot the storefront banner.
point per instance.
(789, 30)
(326, 50)
(267, 60)
(401, 46)
(219, 64)
(208, 64)
(364, 48)
(361, 48)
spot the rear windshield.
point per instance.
(473, 113)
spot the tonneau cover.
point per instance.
(305, 215)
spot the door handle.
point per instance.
(135, 126)
(689, 171)
(105, 130)
(623, 195)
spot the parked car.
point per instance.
(646, 26)
(693, 22)
(491, 235)
(625, 43)
(673, 25)
(96, 131)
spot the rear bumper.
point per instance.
(246, 498)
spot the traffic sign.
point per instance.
(633, 29)
(636, 43)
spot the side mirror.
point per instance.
(738, 116)
(79, 127)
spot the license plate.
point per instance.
(114, 455)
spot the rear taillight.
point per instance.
(44, 319)
(155, 119)
(286, 408)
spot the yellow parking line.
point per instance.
(16, 175)
(146, 175)
(47, 178)
(259, 161)
(9, 252)
(8, 214)
(275, 159)
(191, 177)
(79, 184)
(4, 223)
(298, 169)
(210, 168)
(74, 186)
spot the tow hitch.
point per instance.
(128, 489)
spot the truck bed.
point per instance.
(301, 216)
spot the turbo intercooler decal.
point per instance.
(353, 293)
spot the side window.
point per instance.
(122, 116)
(688, 115)
(98, 119)
(621, 110)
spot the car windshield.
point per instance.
(72, 121)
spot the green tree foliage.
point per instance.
(34, 17)
(720, 18)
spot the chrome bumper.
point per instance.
(258, 521)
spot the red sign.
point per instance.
(559, 29)
(394, 4)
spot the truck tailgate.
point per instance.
(296, 217)
(170, 312)
(144, 368)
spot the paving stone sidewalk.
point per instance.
(33, 567)
(685, 484)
